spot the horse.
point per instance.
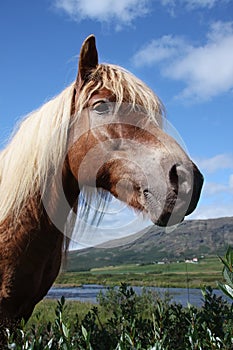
(104, 131)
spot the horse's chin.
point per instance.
(169, 222)
(166, 217)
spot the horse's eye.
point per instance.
(101, 107)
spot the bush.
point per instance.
(132, 322)
(227, 287)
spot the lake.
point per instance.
(89, 292)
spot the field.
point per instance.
(205, 273)
(44, 311)
(176, 274)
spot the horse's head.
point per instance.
(117, 143)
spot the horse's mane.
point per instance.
(38, 146)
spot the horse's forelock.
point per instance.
(125, 87)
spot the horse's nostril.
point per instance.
(173, 177)
(181, 178)
(185, 178)
(146, 192)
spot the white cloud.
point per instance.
(213, 188)
(121, 11)
(231, 182)
(190, 5)
(158, 50)
(193, 4)
(206, 70)
(213, 164)
(214, 210)
(216, 198)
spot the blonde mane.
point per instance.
(31, 156)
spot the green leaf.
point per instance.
(84, 333)
(229, 257)
(65, 330)
(228, 275)
(227, 290)
(62, 300)
(225, 263)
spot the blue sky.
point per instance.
(183, 49)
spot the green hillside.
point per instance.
(192, 238)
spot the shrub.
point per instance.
(133, 322)
(227, 287)
(136, 322)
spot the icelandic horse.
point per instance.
(103, 131)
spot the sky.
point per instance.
(183, 49)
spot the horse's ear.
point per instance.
(88, 59)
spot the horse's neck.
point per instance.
(31, 250)
(39, 217)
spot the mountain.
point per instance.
(190, 238)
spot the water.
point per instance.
(89, 292)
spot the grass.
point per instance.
(206, 272)
(44, 311)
